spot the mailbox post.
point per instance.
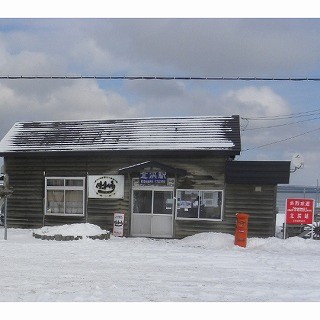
(241, 234)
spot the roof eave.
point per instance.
(220, 152)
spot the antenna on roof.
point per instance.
(296, 162)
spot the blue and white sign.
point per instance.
(153, 178)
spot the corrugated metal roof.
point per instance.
(211, 133)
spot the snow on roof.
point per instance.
(182, 133)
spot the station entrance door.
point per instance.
(152, 211)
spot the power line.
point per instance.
(247, 120)
(277, 125)
(282, 140)
(287, 116)
(106, 77)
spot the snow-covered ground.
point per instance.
(207, 267)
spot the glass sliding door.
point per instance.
(152, 213)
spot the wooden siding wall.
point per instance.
(26, 176)
(25, 207)
(204, 173)
(261, 207)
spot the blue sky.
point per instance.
(132, 46)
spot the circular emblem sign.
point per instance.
(106, 186)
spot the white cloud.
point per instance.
(67, 101)
(210, 47)
(85, 100)
(256, 102)
(198, 47)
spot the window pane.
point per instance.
(187, 204)
(74, 202)
(163, 202)
(55, 182)
(64, 195)
(211, 207)
(142, 201)
(74, 183)
(55, 201)
(199, 204)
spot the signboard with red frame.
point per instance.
(299, 211)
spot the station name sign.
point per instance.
(153, 178)
(106, 186)
(299, 211)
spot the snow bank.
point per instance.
(294, 245)
(222, 241)
(209, 240)
(76, 229)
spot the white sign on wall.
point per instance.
(106, 187)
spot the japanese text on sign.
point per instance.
(106, 186)
(299, 211)
(118, 224)
(159, 177)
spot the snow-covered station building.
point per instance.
(171, 177)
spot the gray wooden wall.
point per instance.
(25, 207)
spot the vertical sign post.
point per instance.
(5, 193)
(299, 211)
(5, 219)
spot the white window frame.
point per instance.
(65, 188)
(195, 191)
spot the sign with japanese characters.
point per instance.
(118, 224)
(106, 186)
(299, 211)
(153, 178)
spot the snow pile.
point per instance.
(76, 229)
(209, 240)
(293, 245)
(222, 241)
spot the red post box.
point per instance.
(241, 234)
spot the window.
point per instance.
(64, 196)
(142, 201)
(199, 204)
